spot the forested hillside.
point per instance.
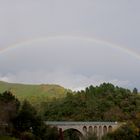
(101, 103)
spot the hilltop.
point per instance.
(34, 93)
(105, 102)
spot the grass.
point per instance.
(34, 93)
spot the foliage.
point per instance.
(9, 106)
(126, 132)
(136, 121)
(7, 138)
(27, 136)
(135, 91)
(22, 122)
(71, 134)
(34, 93)
(101, 103)
(26, 117)
(28, 122)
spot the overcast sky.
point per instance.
(73, 43)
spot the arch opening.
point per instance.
(110, 129)
(95, 130)
(104, 130)
(100, 131)
(72, 134)
(85, 129)
(90, 129)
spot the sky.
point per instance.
(73, 43)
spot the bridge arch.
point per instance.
(95, 129)
(110, 128)
(72, 133)
(104, 129)
(90, 129)
(84, 129)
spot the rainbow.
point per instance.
(81, 38)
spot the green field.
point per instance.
(34, 93)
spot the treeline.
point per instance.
(22, 122)
(101, 103)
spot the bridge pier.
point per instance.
(61, 136)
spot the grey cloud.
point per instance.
(68, 62)
(114, 21)
(66, 79)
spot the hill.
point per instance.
(105, 102)
(34, 93)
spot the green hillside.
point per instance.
(33, 92)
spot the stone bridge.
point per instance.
(85, 128)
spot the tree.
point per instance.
(135, 91)
(9, 106)
(71, 134)
(29, 121)
(25, 118)
(125, 132)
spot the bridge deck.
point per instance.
(78, 123)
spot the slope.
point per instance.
(33, 93)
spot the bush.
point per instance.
(27, 136)
(125, 132)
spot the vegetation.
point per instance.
(9, 106)
(71, 135)
(101, 103)
(128, 131)
(22, 122)
(33, 93)
(7, 138)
